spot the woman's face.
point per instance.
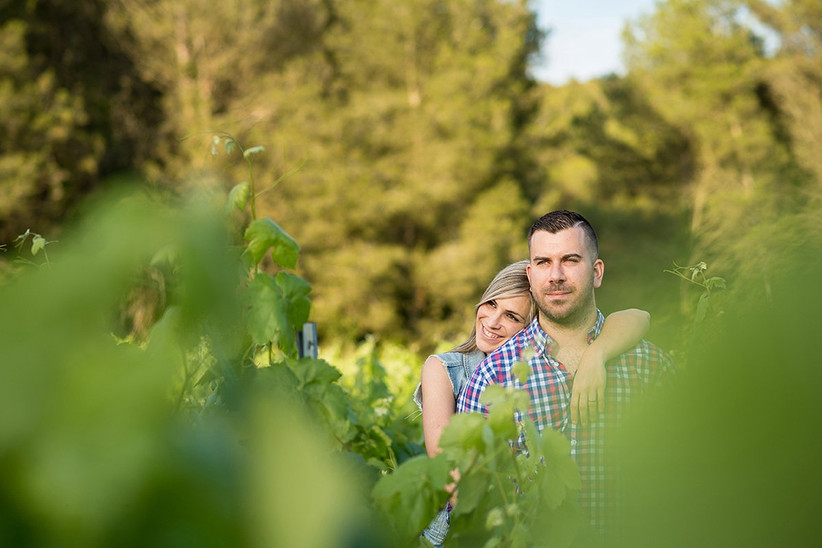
(498, 320)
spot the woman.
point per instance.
(504, 309)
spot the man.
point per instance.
(563, 272)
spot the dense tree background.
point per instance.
(409, 148)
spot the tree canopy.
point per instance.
(407, 146)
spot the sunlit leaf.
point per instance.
(37, 244)
(313, 371)
(265, 234)
(238, 196)
(464, 432)
(252, 151)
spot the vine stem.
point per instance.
(252, 192)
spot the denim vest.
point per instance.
(459, 367)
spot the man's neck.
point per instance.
(570, 339)
(570, 334)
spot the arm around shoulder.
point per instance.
(621, 331)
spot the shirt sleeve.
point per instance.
(469, 399)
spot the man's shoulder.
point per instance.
(649, 356)
(649, 349)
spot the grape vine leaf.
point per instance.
(264, 234)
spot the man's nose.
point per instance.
(556, 273)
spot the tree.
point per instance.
(704, 71)
(204, 57)
(794, 82)
(46, 152)
(75, 110)
(407, 116)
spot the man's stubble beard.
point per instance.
(575, 316)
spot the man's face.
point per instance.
(563, 275)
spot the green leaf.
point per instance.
(314, 371)
(492, 542)
(276, 308)
(558, 527)
(252, 151)
(238, 197)
(561, 466)
(494, 518)
(411, 496)
(502, 403)
(473, 488)
(265, 234)
(463, 434)
(295, 290)
(37, 243)
(715, 282)
(267, 310)
(533, 441)
(521, 370)
(230, 145)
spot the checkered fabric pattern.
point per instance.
(549, 386)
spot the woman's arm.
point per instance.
(621, 331)
(438, 402)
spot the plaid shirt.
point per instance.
(549, 386)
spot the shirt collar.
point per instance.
(544, 344)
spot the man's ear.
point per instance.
(599, 272)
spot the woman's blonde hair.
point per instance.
(511, 281)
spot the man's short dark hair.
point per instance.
(563, 219)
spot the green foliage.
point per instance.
(411, 128)
(695, 275)
(760, 487)
(47, 152)
(275, 307)
(505, 497)
(38, 244)
(703, 68)
(265, 234)
(423, 150)
(409, 494)
(171, 442)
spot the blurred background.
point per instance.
(408, 146)
(419, 142)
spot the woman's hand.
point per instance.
(620, 332)
(452, 487)
(588, 393)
